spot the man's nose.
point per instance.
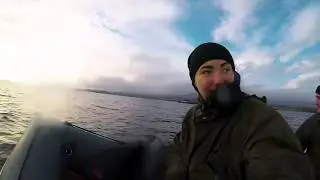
(216, 79)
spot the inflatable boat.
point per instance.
(54, 150)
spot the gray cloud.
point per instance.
(150, 75)
(146, 87)
(264, 77)
(153, 69)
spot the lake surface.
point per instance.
(118, 117)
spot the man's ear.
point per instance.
(237, 78)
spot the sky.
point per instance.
(144, 44)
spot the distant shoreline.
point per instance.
(159, 97)
(301, 109)
(188, 101)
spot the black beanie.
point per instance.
(318, 90)
(206, 52)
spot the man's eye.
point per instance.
(206, 72)
(226, 70)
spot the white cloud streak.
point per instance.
(302, 33)
(304, 81)
(252, 58)
(238, 16)
(308, 70)
(303, 66)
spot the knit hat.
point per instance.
(318, 90)
(206, 52)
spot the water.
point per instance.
(119, 117)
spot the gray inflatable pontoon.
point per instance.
(54, 150)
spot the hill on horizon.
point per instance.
(279, 99)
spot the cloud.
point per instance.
(304, 81)
(305, 65)
(119, 84)
(252, 58)
(71, 41)
(238, 17)
(264, 77)
(255, 66)
(308, 73)
(151, 27)
(155, 70)
(302, 33)
(300, 67)
(147, 74)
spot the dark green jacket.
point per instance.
(309, 136)
(254, 143)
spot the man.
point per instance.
(309, 136)
(229, 135)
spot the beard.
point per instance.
(225, 98)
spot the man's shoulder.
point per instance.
(259, 120)
(255, 106)
(316, 116)
(253, 114)
(312, 120)
(193, 109)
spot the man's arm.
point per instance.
(176, 167)
(273, 151)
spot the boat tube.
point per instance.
(54, 150)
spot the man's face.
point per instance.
(318, 101)
(212, 74)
